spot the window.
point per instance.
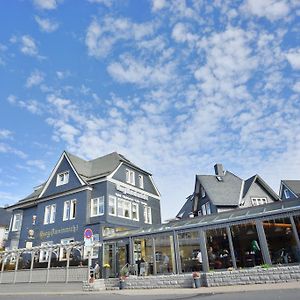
(97, 206)
(63, 250)
(124, 208)
(49, 216)
(208, 210)
(130, 177)
(69, 210)
(258, 201)
(44, 254)
(112, 205)
(17, 222)
(141, 181)
(62, 178)
(203, 208)
(286, 194)
(135, 211)
(202, 192)
(147, 214)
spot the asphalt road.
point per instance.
(287, 294)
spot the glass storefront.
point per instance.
(282, 244)
(189, 251)
(246, 245)
(218, 250)
(143, 256)
(164, 254)
(297, 223)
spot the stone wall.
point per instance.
(252, 276)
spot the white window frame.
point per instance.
(203, 208)
(97, 203)
(49, 214)
(17, 222)
(62, 178)
(133, 204)
(208, 208)
(203, 194)
(112, 200)
(286, 193)
(70, 210)
(44, 254)
(141, 181)
(130, 176)
(256, 201)
(62, 252)
(147, 214)
(124, 206)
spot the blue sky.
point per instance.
(175, 86)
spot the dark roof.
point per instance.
(4, 217)
(187, 208)
(293, 185)
(222, 190)
(247, 184)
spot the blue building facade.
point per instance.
(108, 194)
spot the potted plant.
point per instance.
(106, 270)
(196, 278)
(123, 275)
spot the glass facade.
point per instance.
(164, 254)
(297, 223)
(282, 243)
(143, 256)
(218, 250)
(246, 245)
(189, 251)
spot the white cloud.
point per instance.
(158, 5)
(37, 163)
(35, 78)
(46, 25)
(45, 4)
(5, 148)
(296, 87)
(293, 56)
(5, 134)
(101, 37)
(271, 9)
(28, 46)
(180, 33)
(31, 105)
(63, 74)
(107, 3)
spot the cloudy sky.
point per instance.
(175, 86)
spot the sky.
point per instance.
(175, 86)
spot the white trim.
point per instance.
(115, 171)
(100, 200)
(129, 186)
(64, 155)
(66, 176)
(70, 215)
(241, 192)
(14, 227)
(114, 199)
(157, 191)
(280, 192)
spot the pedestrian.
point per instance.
(97, 270)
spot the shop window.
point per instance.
(143, 256)
(297, 223)
(246, 245)
(218, 250)
(189, 252)
(164, 254)
(282, 243)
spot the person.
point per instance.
(80, 264)
(199, 257)
(92, 279)
(166, 263)
(97, 270)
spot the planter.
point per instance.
(197, 283)
(122, 284)
(106, 273)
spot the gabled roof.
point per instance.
(293, 185)
(222, 190)
(187, 208)
(4, 217)
(86, 170)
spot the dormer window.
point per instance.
(130, 177)
(286, 194)
(62, 178)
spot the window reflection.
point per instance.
(282, 244)
(246, 245)
(218, 250)
(143, 256)
(189, 251)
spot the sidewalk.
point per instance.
(76, 288)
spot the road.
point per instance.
(287, 294)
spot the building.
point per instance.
(225, 191)
(107, 194)
(289, 189)
(4, 226)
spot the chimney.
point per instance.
(219, 171)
